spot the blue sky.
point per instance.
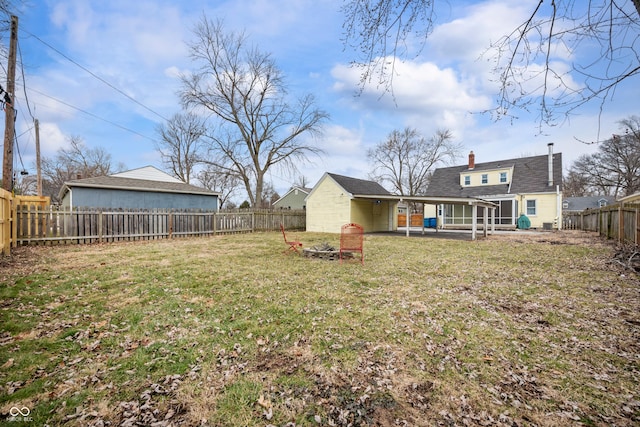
(140, 48)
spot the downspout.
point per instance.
(550, 166)
(559, 207)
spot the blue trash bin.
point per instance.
(430, 223)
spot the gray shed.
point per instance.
(143, 188)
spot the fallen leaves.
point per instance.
(498, 332)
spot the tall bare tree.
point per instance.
(76, 161)
(181, 146)
(575, 184)
(222, 181)
(526, 68)
(614, 170)
(405, 160)
(258, 126)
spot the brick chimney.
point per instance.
(472, 160)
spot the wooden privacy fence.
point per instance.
(35, 225)
(5, 221)
(620, 222)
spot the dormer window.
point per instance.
(602, 203)
(565, 205)
(485, 178)
(467, 180)
(503, 177)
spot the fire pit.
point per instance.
(325, 251)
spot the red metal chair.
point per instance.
(293, 245)
(351, 239)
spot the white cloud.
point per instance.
(425, 96)
(51, 138)
(139, 46)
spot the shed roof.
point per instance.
(529, 175)
(119, 182)
(634, 198)
(363, 189)
(359, 186)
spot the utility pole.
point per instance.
(39, 174)
(9, 128)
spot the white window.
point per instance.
(565, 205)
(503, 177)
(602, 203)
(531, 207)
(467, 180)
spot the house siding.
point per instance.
(493, 177)
(328, 207)
(293, 200)
(546, 208)
(373, 216)
(130, 199)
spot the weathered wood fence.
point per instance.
(620, 222)
(5, 221)
(37, 225)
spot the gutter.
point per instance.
(155, 190)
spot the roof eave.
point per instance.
(430, 199)
(155, 190)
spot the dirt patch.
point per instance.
(563, 237)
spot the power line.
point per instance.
(93, 115)
(24, 83)
(94, 75)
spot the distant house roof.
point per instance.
(303, 190)
(125, 181)
(357, 186)
(148, 173)
(588, 202)
(529, 175)
(292, 189)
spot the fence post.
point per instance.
(6, 219)
(170, 225)
(621, 223)
(100, 214)
(637, 238)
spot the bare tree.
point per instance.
(269, 195)
(222, 181)
(575, 184)
(526, 67)
(258, 126)
(25, 185)
(77, 161)
(8, 8)
(181, 146)
(302, 182)
(614, 170)
(406, 159)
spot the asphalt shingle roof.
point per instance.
(138, 184)
(359, 186)
(588, 202)
(529, 176)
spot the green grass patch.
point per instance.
(540, 330)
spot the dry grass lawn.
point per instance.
(515, 330)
